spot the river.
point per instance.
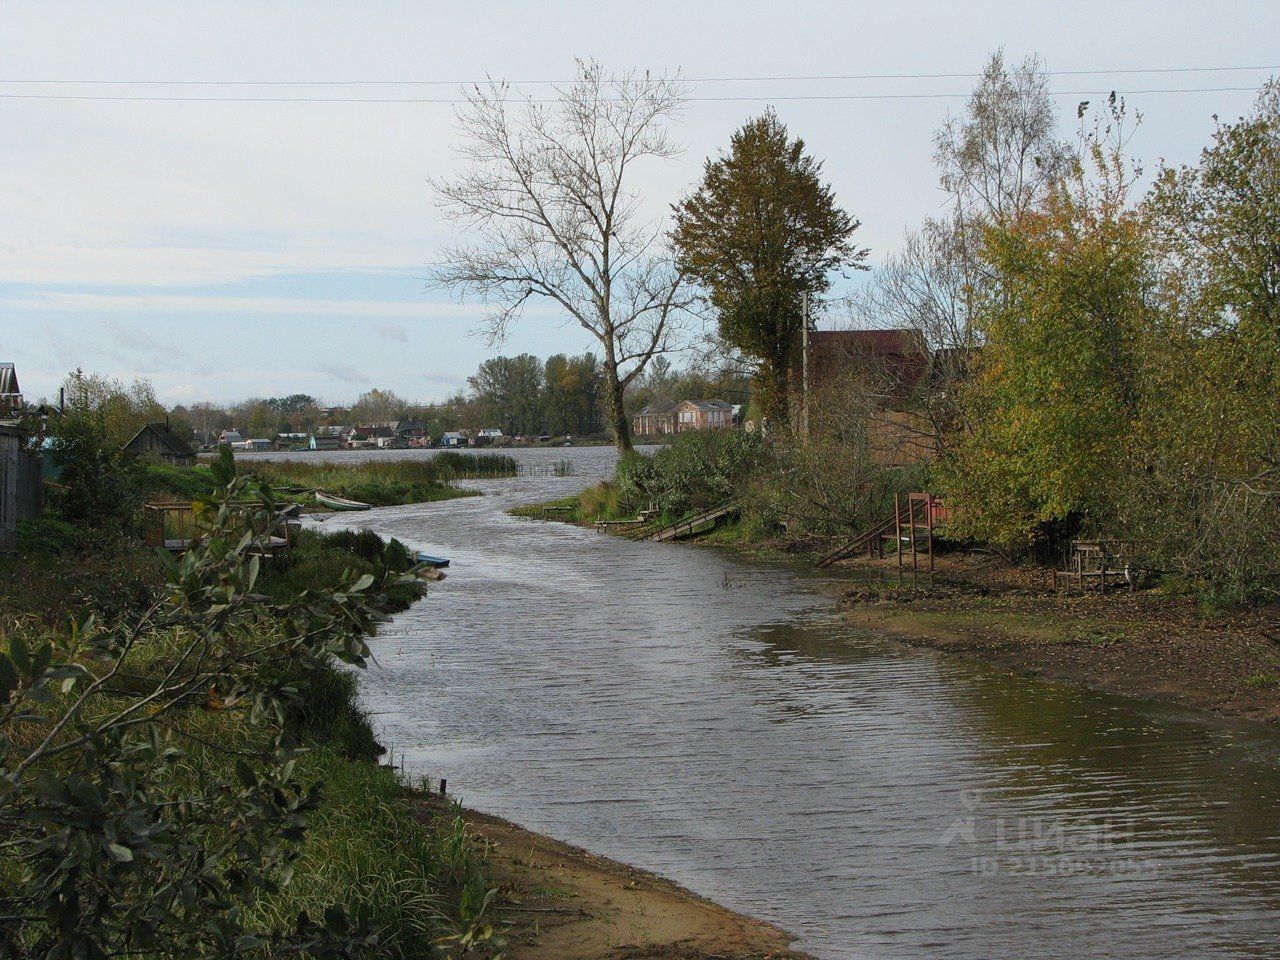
(711, 720)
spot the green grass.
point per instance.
(377, 482)
(319, 561)
(386, 482)
(600, 502)
(367, 846)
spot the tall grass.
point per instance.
(384, 482)
(379, 482)
(368, 847)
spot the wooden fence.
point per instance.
(20, 493)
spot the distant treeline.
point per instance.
(519, 395)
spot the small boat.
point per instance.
(289, 510)
(339, 503)
(431, 561)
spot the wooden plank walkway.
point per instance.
(689, 525)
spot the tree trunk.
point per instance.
(618, 422)
(774, 383)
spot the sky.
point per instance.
(224, 250)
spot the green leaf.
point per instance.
(119, 853)
(18, 652)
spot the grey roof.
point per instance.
(712, 404)
(170, 440)
(9, 379)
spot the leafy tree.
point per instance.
(96, 486)
(1002, 155)
(996, 160)
(761, 230)
(120, 409)
(508, 392)
(1208, 487)
(1056, 392)
(377, 406)
(572, 392)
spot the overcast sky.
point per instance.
(224, 250)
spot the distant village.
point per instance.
(654, 420)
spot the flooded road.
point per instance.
(708, 719)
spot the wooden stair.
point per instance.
(913, 517)
(871, 537)
(689, 525)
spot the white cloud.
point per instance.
(146, 303)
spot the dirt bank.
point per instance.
(563, 903)
(1147, 643)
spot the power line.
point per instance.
(1128, 71)
(727, 99)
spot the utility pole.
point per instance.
(804, 363)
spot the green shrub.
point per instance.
(699, 469)
(96, 486)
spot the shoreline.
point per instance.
(1147, 645)
(562, 902)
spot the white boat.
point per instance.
(339, 503)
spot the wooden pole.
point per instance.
(897, 530)
(928, 505)
(804, 363)
(911, 520)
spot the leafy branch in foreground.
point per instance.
(148, 788)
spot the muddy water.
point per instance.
(706, 718)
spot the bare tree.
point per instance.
(545, 198)
(996, 161)
(1000, 157)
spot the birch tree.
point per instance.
(548, 213)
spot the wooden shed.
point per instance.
(20, 490)
(158, 440)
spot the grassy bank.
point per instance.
(378, 482)
(341, 840)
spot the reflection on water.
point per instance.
(705, 718)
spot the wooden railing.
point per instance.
(175, 526)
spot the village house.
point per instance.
(158, 441)
(327, 438)
(21, 488)
(358, 438)
(409, 429)
(453, 438)
(703, 415)
(229, 437)
(656, 420)
(10, 393)
(877, 375)
(291, 441)
(894, 361)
